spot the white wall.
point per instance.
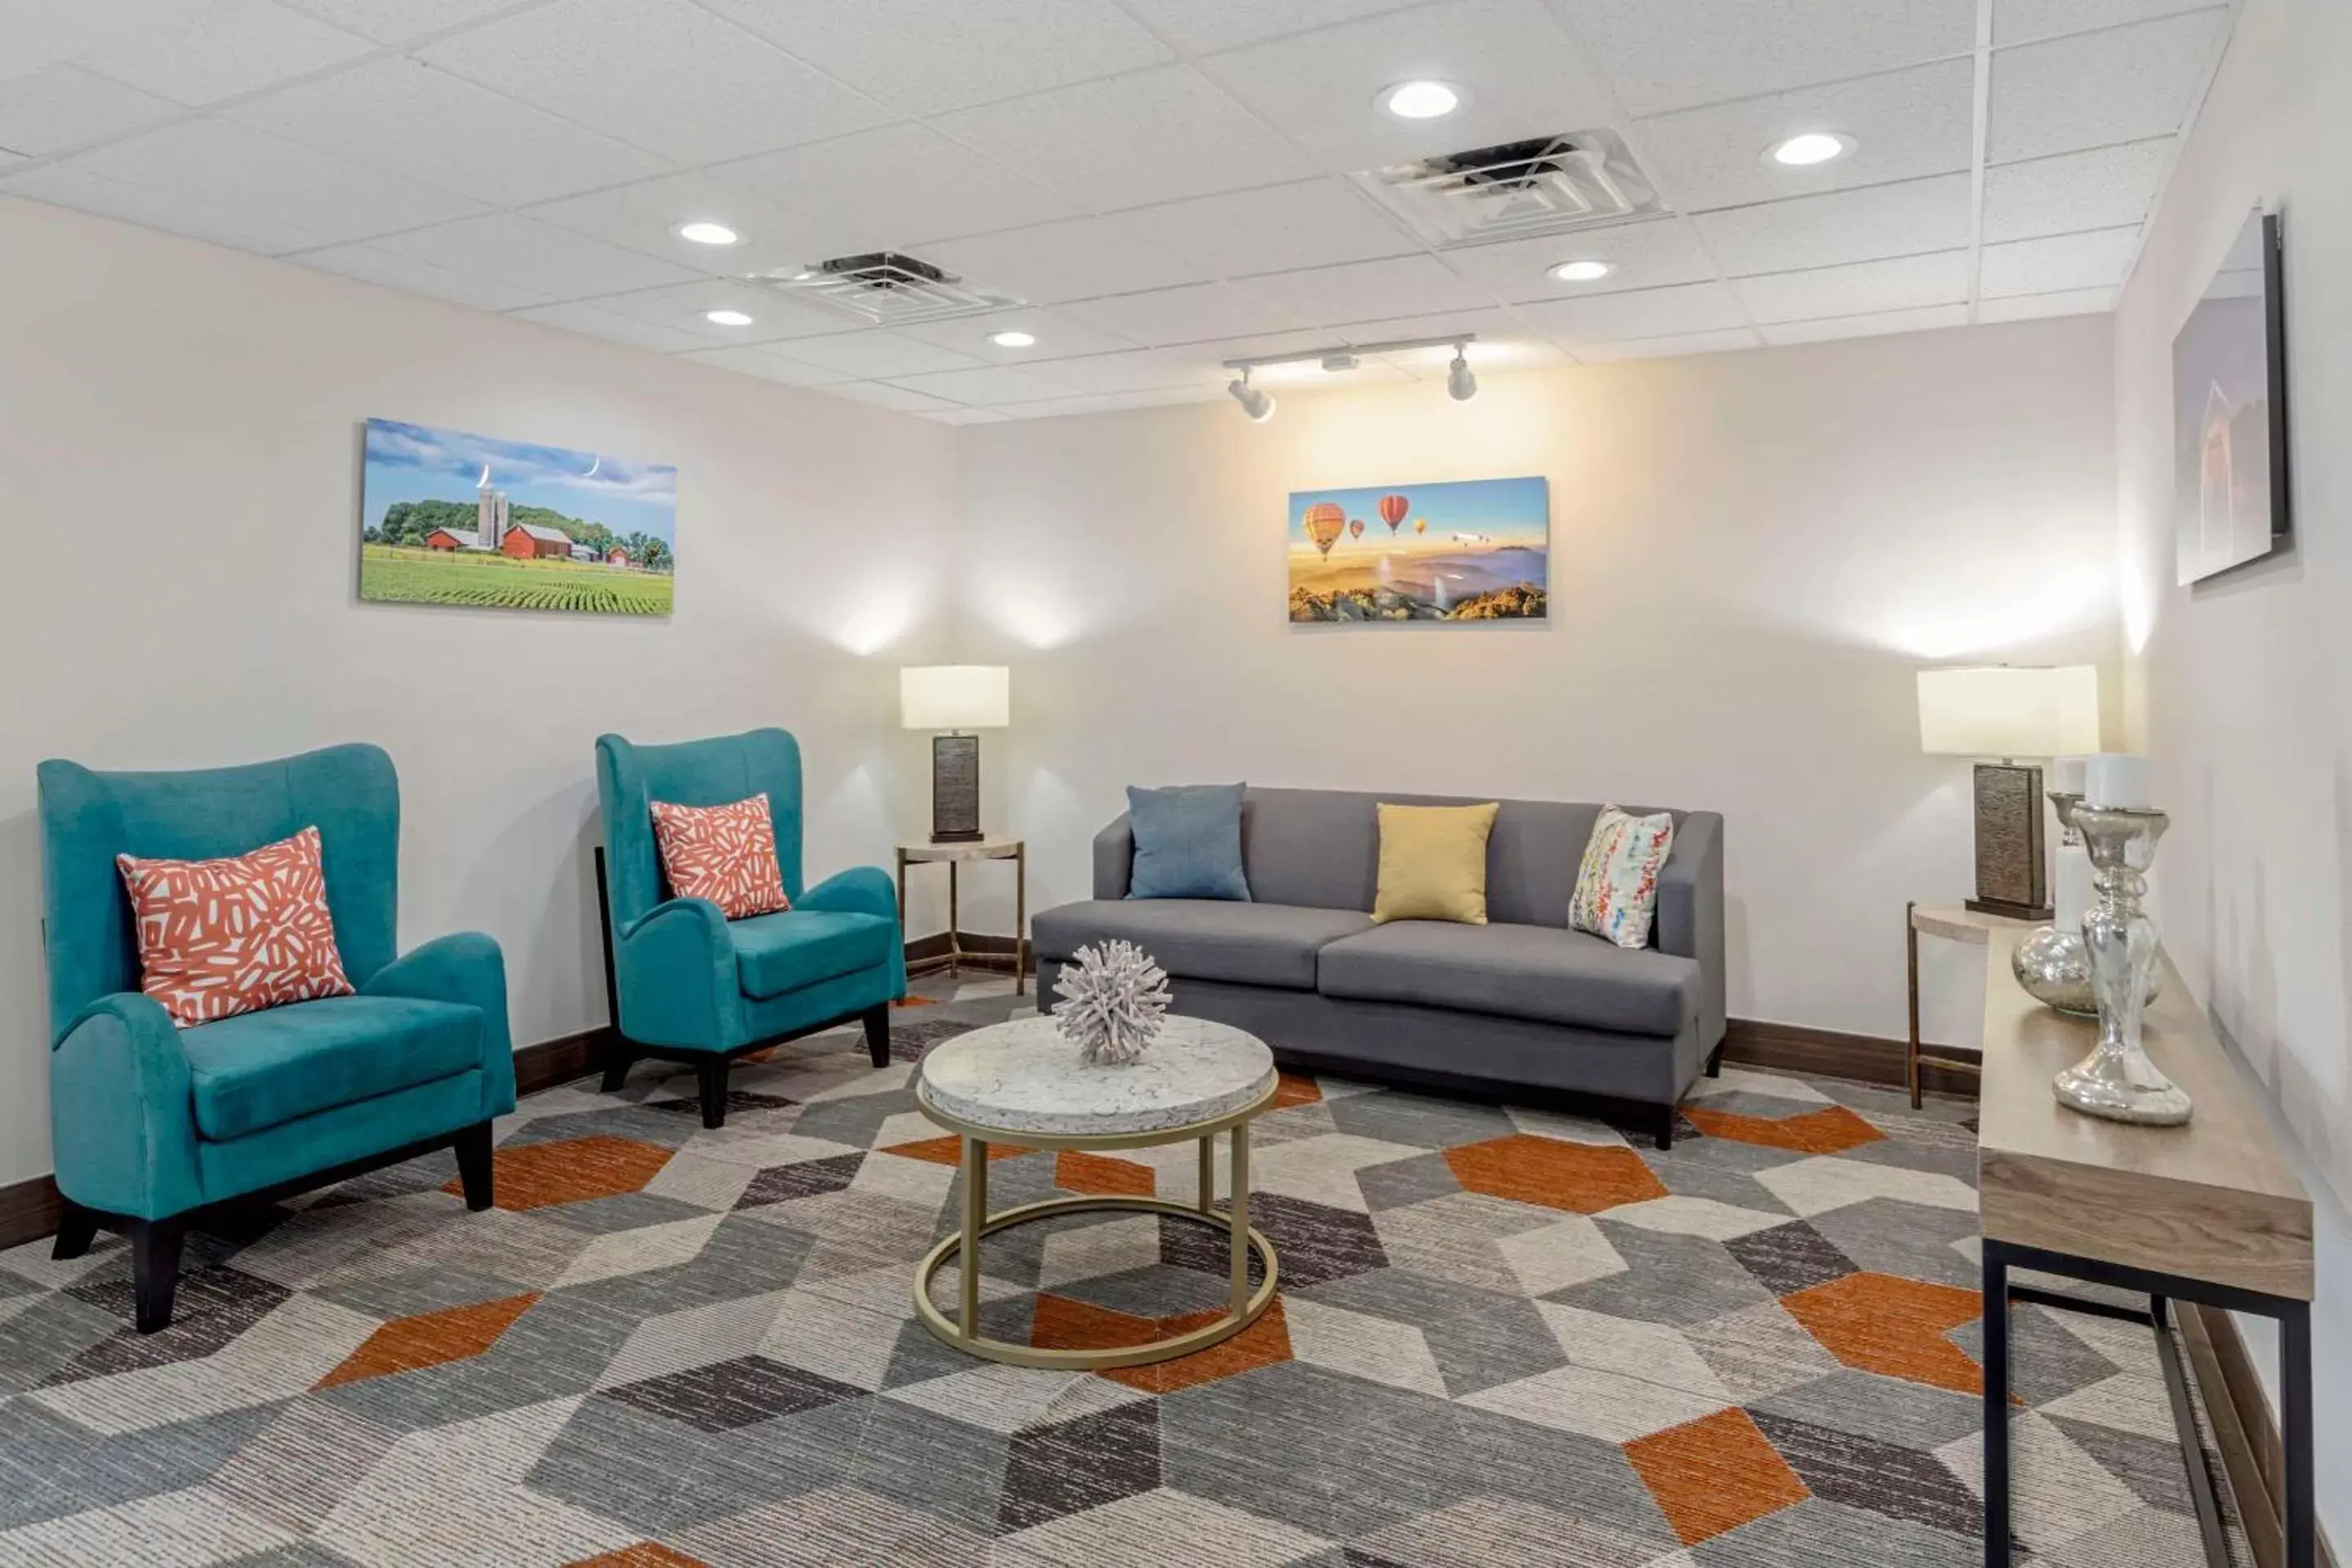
(179, 461)
(1752, 554)
(2242, 688)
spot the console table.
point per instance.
(2209, 1213)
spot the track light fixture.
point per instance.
(1459, 383)
(1255, 404)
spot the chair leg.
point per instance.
(1714, 1062)
(877, 1034)
(77, 1228)
(474, 1166)
(154, 1272)
(617, 1063)
(711, 1080)
(1665, 1127)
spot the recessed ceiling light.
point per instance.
(727, 317)
(708, 233)
(1420, 99)
(1579, 272)
(1014, 340)
(1803, 151)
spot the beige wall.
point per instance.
(1752, 554)
(2242, 688)
(179, 438)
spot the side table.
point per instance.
(922, 852)
(1958, 924)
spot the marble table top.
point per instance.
(1023, 1076)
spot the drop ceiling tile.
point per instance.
(664, 75)
(1206, 26)
(988, 385)
(1368, 290)
(1675, 54)
(1840, 226)
(1154, 136)
(1146, 370)
(1210, 354)
(2095, 260)
(10, 160)
(1283, 380)
(2096, 89)
(2034, 307)
(1109, 403)
(882, 394)
(1488, 356)
(874, 353)
(35, 33)
(1275, 228)
(1903, 123)
(970, 417)
(646, 216)
(60, 106)
(595, 322)
(1928, 318)
(1058, 336)
(680, 306)
(413, 119)
(553, 263)
(1639, 313)
(1671, 347)
(372, 264)
(2021, 21)
(1200, 313)
(164, 209)
(1052, 262)
(271, 180)
(1525, 79)
(400, 21)
(1900, 284)
(893, 188)
(926, 56)
(228, 47)
(752, 359)
(1647, 255)
(2104, 188)
(1391, 329)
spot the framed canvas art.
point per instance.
(1470, 550)
(2229, 412)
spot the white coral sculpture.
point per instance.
(1113, 1000)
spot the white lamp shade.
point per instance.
(2005, 711)
(956, 696)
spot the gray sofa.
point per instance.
(1522, 1003)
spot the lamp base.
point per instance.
(2012, 875)
(2014, 911)
(955, 789)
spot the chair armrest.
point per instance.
(865, 890)
(1114, 858)
(465, 967)
(1690, 912)
(674, 969)
(122, 1110)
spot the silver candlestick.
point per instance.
(2051, 964)
(2117, 1080)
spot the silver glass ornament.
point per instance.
(2117, 1081)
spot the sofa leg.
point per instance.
(1714, 1062)
(1665, 1127)
(877, 1034)
(154, 1272)
(710, 1083)
(77, 1228)
(616, 1064)
(474, 1166)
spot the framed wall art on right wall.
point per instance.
(2231, 484)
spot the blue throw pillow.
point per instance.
(1188, 842)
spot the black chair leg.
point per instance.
(77, 1228)
(154, 1272)
(474, 1166)
(1714, 1062)
(711, 1080)
(616, 1065)
(1665, 1130)
(877, 1034)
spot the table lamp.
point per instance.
(951, 698)
(1998, 715)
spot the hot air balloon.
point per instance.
(1356, 527)
(1420, 525)
(1324, 522)
(1393, 510)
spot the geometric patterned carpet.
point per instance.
(1504, 1337)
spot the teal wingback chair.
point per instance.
(688, 984)
(153, 1123)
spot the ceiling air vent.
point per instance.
(883, 289)
(1518, 190)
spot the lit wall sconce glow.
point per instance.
(727, 317)
(1811, 149)
(1579, 272)
(1420, 99)
(708, 233)
(1013, 340)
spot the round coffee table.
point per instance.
(1021, 1082)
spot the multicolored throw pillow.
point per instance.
(723, 853)
(1617, 885)
(217, 938)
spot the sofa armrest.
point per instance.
(865, 890)
(1690, 913)
(467, 967)
(1114, 858)
(123, 1112)
(674, 969)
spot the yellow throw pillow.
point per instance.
(1434, 863)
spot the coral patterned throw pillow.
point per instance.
(723, 853)
(1617, 885)
(221, 937)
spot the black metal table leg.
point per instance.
(1995, 1407)
(2301, 1502)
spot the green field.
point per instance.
(499, 583)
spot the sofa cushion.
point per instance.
(781, 952)
(257, 1069)
(1188, 842)
(1201, 939)
(1519, 970)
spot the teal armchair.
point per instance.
(154, 1124)
(686, 983)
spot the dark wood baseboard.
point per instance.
(1865, 1059)
(928, 954)
(559, 1060)
(2243, 1429)
(28, 1211)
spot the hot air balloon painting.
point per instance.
(1479, 550)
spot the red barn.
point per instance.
(617, 556)
(452, 539)
(526, 541)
